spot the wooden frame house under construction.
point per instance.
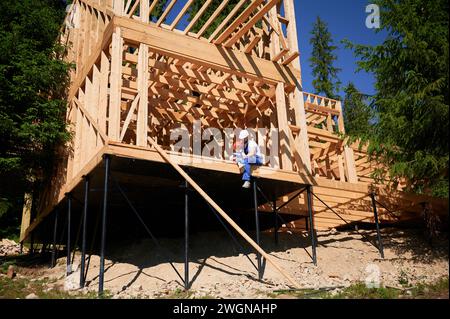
(140, 77)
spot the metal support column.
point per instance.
(101, 275)
(375, 214)
(275, 214)
(83, 240)
(55, 228)
(311, 224)
(186, 235)
(255, 201)
(69, 217)
(31, 251)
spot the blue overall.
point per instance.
(248, 162)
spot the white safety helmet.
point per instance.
(243, 134)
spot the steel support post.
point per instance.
(84, 231)
(55, 229)
(311, 224)
(101, 275)
(255, 201)
(275, 214)
(186, 235)
(69, 226)
(31, 251)
(377, 224)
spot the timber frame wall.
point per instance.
(138, 77)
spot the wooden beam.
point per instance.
(142, 114)
(92, 121)
(285, 150)
(165, 13)
(350, 165)
(212, 18)
(226, 20)
(253, 43)
(181, 14)
(251, 23)
(197, 16)
(238, 21)
(115, 84)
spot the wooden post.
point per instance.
(142, 113)
(281, 107)
(283, 127)
(84, 128)
(103, 91)
(118, 6)
(341, 168)
(116, 85)
(296, 98)
(341, 125)
(26, 213)
(350, 165)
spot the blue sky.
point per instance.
(345, 19)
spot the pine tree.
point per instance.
(357, 113)
(411, 68)
(322, 61)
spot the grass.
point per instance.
(360, 291)
(22, 287)
(439, 289)
(182, 294)
(177, 294)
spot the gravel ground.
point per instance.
(219, 269)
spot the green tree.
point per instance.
(411, 68)
(322, 61)
(196, 6)
(357, 113)
(158, 10)
(33, 81)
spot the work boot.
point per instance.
(246, 184)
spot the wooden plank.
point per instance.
(340, 117)
(89, 62)
(103, 91)
(350, 165)
(253, 43)
(116, 84)
(134, 7)
(293, 56)
(165, 13)
(92, 121)
(181, 14)
(238, 21)
(142, 114)
(226, 20)
(197, 16)
(129, 116)
(251, 23)
(280, 55)
(212, 18)
(296, 99)
(285, 151)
